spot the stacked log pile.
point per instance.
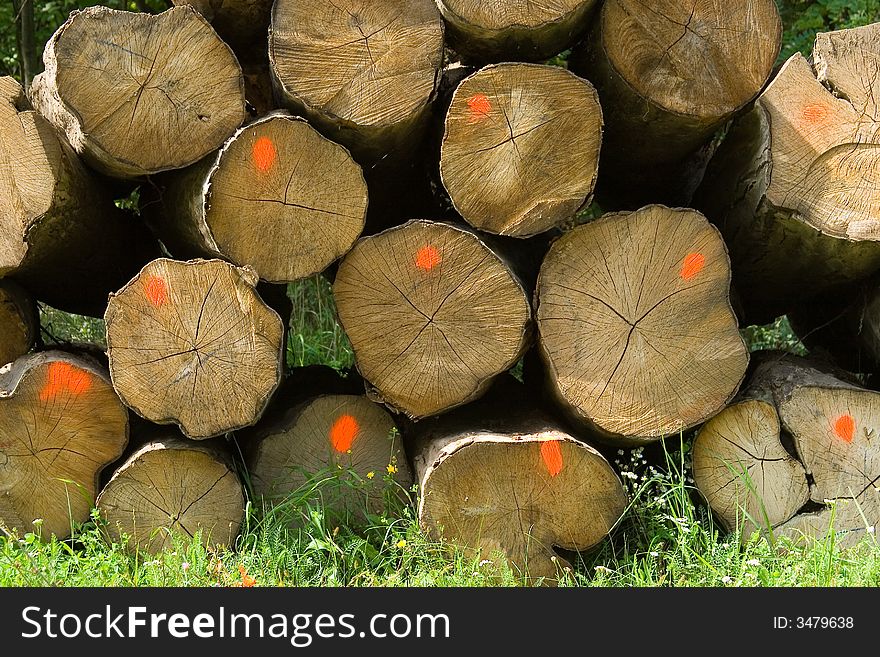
(453, 208)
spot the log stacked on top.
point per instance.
(630, 325)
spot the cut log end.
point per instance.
(170, 489)
(521, 148)
(432, 313)
(700, 58)
(325, 434)
(519, 496)
(61, 423)
(192, 343)
(19, 322)
(385, 57)
(136, 93)
(640, 340)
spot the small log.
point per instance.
(521, 148)
(509, 30)
(326, 433)
(793, 187)
(636, 327)
(192, 343)
(19, 322)
(362, 73)
(670, 73)
(305, 201)
(516, 493)
(60, 234)
(61, 423)
(433, 315)
(828, 427)
(243, 24)
(140, 93)
(173, 488)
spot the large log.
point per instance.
(192, 343)
(305, 201)
(794, 185)
(521, 148)
(61, 423)
(60, 233)
(19, 322)
(433, 315)
(510, 30)
(363, 73)
(140, 93)
(635, 322)
(321, 427)
(670, 73)
(500, 478)
(798, 434)
(173, 489)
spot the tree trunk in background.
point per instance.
(670, 73)
(61, 235)
(198, 332)
(797, 433)
(510, 30)
(26, 41)
(169, 97)
(60, 424)
(171, 488)
(433, 315)
(794, 185)
(521, 148)
(636, 329)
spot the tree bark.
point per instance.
(670, 73)
(792, 187)
(635, 325)
(27, 47)
(521, 148)
(198, 332)
(173, 489)
(19, 321)
(137, 94)
(61, 423)
(433, 315)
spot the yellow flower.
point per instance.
(391, 469)
(371, 474)
(401, 544)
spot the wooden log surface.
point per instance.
(521, 148)
(635, 324)
(305, 201)
(19, 321)
(670, 73)
(433, 315)
(61, 423)
(192, 343)
(136, 94)
(793, 187)
(243, 24)
(172, 489)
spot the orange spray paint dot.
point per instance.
(479, 106)
(693, 265)
(156, 291)
(845, 427)
(551, 452)
(64, 377)
(343, 432)
(815, 114)
(427, 258)
(264, 154)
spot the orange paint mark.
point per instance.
(693, 265)
(479, 106)
(343, 432)
(64, 377)
(156, 291)
(845, 427)
(815, 114)
(264, 154)
(427, 258)
(551, 452)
